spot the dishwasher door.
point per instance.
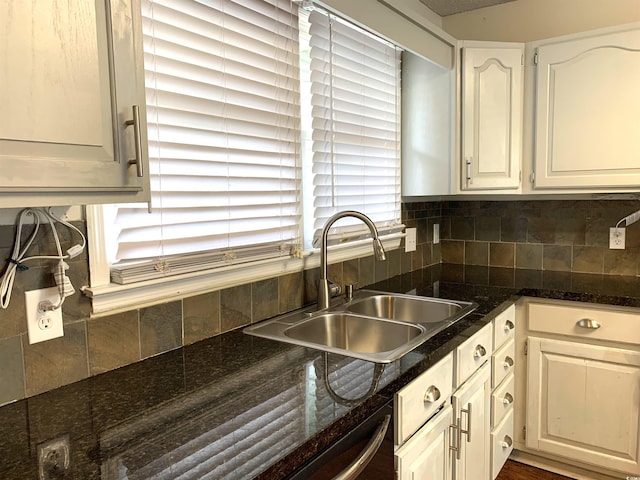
(364, 453)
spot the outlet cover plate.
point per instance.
(43, 325)
(617, 238)
(410, 240)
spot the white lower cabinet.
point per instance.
(501, 444)
(471, 403)
(427, 455)
(583, 403)
(449, 424)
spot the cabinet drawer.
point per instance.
(502, 362)
(419, 400)
(501, 444)
(615, 324)
(502, 400)
(504, 326)
(473, 353)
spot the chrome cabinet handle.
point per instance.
(358, 464)
(136, 139)
(509, 325)
(432, 394)
(508, 399)
(506, 442)
(479, 352)
(457, 436)
(588, 323)
(467, 432)
(508, 362)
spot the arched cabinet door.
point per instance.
(587, 127)
(492, 98)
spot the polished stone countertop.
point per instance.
(241, 407)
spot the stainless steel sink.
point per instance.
(375, 326)
(354, 333)
(405, 308)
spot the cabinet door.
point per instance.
(492, 97)
(68, 84)
(471, 405)
(587, 102)
(427, 454)
(582, 403)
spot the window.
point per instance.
(263, 121)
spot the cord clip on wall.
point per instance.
(18, 259)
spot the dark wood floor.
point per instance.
(519, 471)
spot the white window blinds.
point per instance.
(355, 93)
(223, 109)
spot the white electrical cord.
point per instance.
(18, 255)
(629, 219)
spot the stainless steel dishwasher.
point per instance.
(365, 453)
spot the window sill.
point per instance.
(113, 298)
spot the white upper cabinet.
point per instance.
(70, 76)
(492, 98)
(587, 126)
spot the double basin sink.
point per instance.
(376, 326)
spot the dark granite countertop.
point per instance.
(242, 407)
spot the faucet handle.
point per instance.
(334, 289)
(348, 292)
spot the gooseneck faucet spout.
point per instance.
(324, 293)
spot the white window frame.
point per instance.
(109, 298)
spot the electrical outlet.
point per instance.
(410, 240)
(436, 233)
(53, 458)
(616, 238)
(43, 324)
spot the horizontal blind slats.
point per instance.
(224, 129)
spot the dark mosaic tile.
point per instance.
(264, 299)
(452, 251)
(201, 316)
(56, 362)
(529, 256)
(488, 228)
(541, 230)
(620, 262)
(501, 277)
(556, 257)
(476, 274)
(476, 253)
(502, 254)
(12, 371)
(588, 259)
(513, 229)
(462, 228)
(290, 291)
(113, 341)
(160, 328)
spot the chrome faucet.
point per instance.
(324, 288)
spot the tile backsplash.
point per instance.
(488, 239)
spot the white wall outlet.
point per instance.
(43, 324)
(616, 238)
(436, 233)
(410, 240)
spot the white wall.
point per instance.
(528, 20)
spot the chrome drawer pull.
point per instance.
(507, 442)
(137, 140)
(467, 432)
(588, 323)
(432, 394)
(508, 399)
(479, 352)
(508, 362)
(508, 325)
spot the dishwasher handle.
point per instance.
(358, 465)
